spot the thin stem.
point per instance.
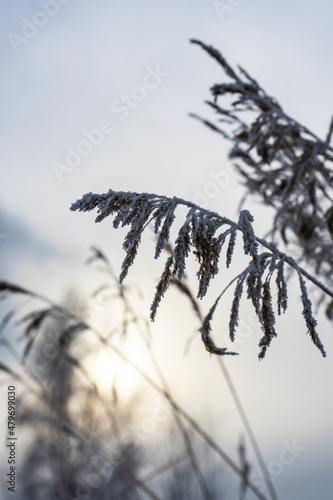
(187, 442)
(239, 405)
(248, 428)
(189, 448)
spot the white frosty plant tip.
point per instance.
(280, 160)
(203, 233)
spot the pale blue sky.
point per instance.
(65, 80)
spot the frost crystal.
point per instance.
(203, 233)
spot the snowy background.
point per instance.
(71, 75)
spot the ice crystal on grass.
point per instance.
(197, 233)
(268, 319)
(167, 212)
(162, 287)
(280, 160)
(183, 246)
(282, 286)
(203, 233)
(250, 243)
(311, 322)
(234, 315)
(231, 246)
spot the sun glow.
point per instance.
(109, 373)
(103, 369)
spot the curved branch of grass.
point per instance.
(281, 160)
(204, 233)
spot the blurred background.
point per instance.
(123, 78)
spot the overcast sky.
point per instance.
(122, 77)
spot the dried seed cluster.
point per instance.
(280, 160)
(204, 233)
